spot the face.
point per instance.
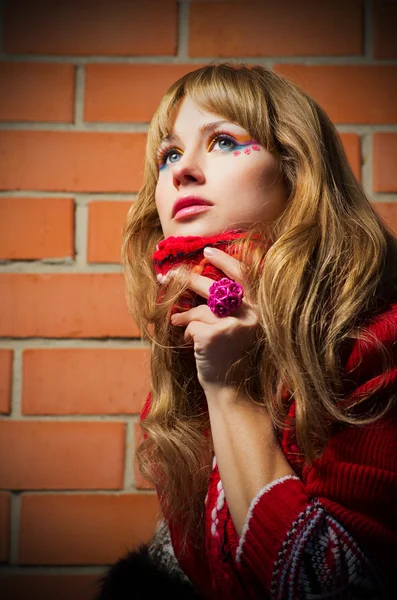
(213, 176)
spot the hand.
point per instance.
(218, 342)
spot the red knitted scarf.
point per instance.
(189, 250)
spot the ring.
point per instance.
(225, 296)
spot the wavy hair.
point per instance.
(328, 264)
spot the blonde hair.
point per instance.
(326, 268)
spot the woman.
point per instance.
(270, 432)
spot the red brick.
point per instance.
(287, 28)
(61, 455)
(111, 90)
(6, 358)
(48, 587)
(105, 228)
(349, 93)
(71, 161)
(36, 92)
(351, 145)
(78, 305)
(140, 482)
(84, 381)
(5, 514)
(34, 228)
(89, 27)
(384, 28)
(59, 529)
(384, 164)
(388, 212)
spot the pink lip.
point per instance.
(193, 203)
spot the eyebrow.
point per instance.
(206, 128)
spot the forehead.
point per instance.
(187, 109)
(188, 118)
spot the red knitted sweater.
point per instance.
(331, 530)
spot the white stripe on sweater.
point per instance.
(254, 502)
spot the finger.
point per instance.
(195, 331)
(200, 313)
(201, 284)
(232, 267)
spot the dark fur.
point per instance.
(137, 577)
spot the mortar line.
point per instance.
(21, 344)
(80, 197)
(352, 59)
(183, 31)
(79, 96)
(384, 197)
(367, 166)
(58, 267)
(17, 379)
(65, 418)
(81, 234)
(108, 127)
(129, 478)
(136, 128)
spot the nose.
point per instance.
(187, 171)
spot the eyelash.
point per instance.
(166, 150)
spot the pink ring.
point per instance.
(225, 296)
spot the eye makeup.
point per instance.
(245, 140)
(247, 149)
(239, 142)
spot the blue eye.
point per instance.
(170, 154)
(230, 142)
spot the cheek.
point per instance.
(255, 178)
(252, 169)
(265, 170)
(255, 163)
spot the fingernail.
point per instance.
(209, 251)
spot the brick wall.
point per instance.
(80, 80)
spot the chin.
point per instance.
(196, 229)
